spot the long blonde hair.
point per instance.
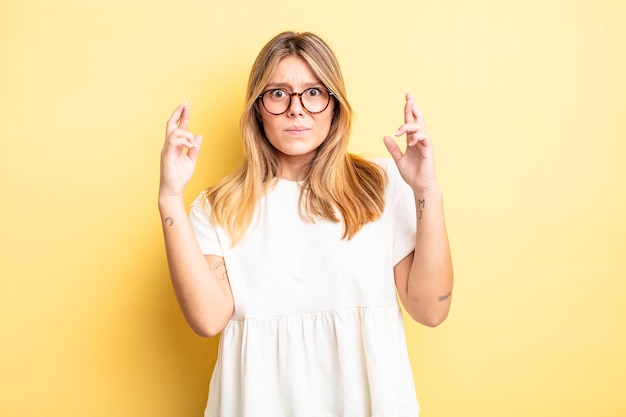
(334, 181)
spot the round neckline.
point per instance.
(286, 180)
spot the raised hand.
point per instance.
(416, 164)
(179, 154)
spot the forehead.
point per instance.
(293, 71)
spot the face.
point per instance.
(296, 133)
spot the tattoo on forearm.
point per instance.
(169, 221)
(421, 204)
(444, 297)
(220, 265)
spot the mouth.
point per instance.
(297, 130)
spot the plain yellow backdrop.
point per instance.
(525, 102)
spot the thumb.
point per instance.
(393, 148)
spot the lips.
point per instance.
(297, 129)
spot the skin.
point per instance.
(423, 278)
(200, 282)
(295, 134)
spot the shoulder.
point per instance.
(200, 210)
(391, 169)
(200, 202)
(396, 188)
(384, 163)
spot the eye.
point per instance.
(314, 92)
(277, 94)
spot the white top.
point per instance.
(317, 329)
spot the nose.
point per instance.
(295, 106)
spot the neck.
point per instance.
(292, 166)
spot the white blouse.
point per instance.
(317, 329)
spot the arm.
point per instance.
(424, 278)
(200, 282)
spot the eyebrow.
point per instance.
(288, 86)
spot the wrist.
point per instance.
(167, 201)
(432, 190)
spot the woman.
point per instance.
(297, 256)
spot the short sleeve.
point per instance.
(400, 209)
(203, 228)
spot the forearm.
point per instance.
(430, 281)
(202, 289)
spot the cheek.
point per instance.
(328, 120)
(270, 130)
(266, 124)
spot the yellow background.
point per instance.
(526, 103)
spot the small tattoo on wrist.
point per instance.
(421, 204)
(169, 221)
(444, 297)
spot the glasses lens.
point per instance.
(315, 99)
(276, 101)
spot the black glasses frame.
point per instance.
(330, 94)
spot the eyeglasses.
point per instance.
(278, 100)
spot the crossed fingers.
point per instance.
(176, 128)
(413, 126)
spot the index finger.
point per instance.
(178, 119)
(184, 118)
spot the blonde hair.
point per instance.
(333, 182)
